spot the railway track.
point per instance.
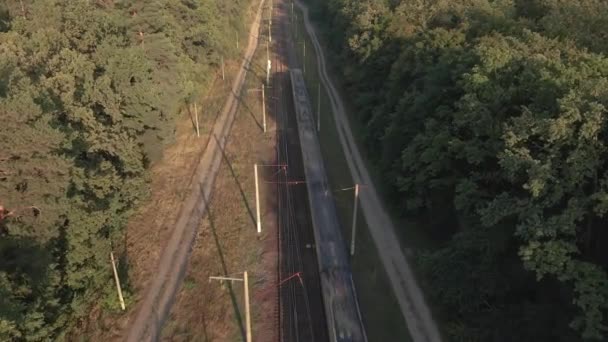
(301, 316)
(409, 295)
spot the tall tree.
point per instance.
(490, 119)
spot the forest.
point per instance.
(487, 120)
(90, 92)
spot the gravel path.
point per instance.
(418, 316)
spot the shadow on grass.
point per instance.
(225, 272)
(243, 104)
(236, 180)
(258, 71)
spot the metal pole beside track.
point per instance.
(247, 309)
(257, 199)
(263, 109)
(352, 239)
(319, 108)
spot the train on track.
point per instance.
(339, 297)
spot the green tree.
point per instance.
(490, 119)
(87, 104)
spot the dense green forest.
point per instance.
(488, 118)
(89, 95)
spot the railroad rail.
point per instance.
(301, 315)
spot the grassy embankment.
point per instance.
(381, 313)
(227, 243)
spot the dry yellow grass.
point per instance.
(227, 243)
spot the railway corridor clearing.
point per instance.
(410, 297)
(301, 315)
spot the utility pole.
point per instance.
(198, 133)
(268, 63)
(269, 30)
(267, 51)
(257, 199)
(304, 58)
(352, 239)
(223, 71)
(247, 309)
(245, 281)
(237, 39)
(270, 24)
(118, 288)
(319, 107)
(263, 109)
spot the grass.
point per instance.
(189, 284)
(381, 314)
(227, 243)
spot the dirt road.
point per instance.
(155, 306)
(420, 322)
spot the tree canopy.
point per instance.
(89, 95)
(489, 119)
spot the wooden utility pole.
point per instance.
(263, 109)
(118, 288)
(352, 239)
(223, 71)
(198, 133)
(319, 107)
(257, 199)
(245, 281)
(237, 39)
